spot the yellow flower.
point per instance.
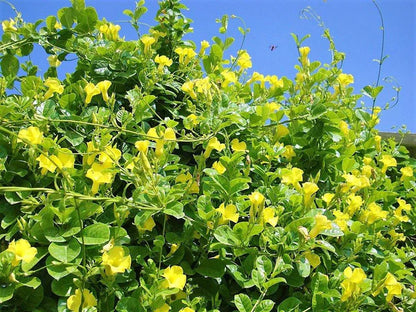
(268, 216)
(168, 134)
(53, 61)
(87, 298)
(219, 167)
(54, 86)
(175, 277)
(92, 152)
(213, 143)
(194, 188)
(163, 61)
(345, 79)
(272, 106)
(110, 31)
(142, 146)
(341, 219)
(394, 288)
(321, 223)
(103, 86)
(48, 163)
(327, 198)
(8, 25)
(292, 176)
(182, 178)
(388, 161)
(91, 90)
(257, 77)
(309, 188)
(204, 46)
(203, 86)
(343, 126)
(367, 171)
(147, 226)
(57, 25)
(66, 158)
(99, 174)
(188, 87)
(187, 309)
(110, 155)
(281, 131)
(228, 213)
(313, 259)
(164, 308)
(244, 60)
(275, 82)
(351, 285)
(229, 77)
(398, 212)
(367, 160)
(32, 135)
(22, 251)
(407, 172)
(373, 213)
(354, 203)
(289, 152)
(354, 183)
(238, 146)
(185, 55)
(304, 52)
(377, 140)
(115, 261)
(257, 201)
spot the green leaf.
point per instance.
(32, 282)
(264, 265)
(9, 65)
(380, 271)
(6, 293)
(174, 209)
(74, 138)
(290, 304)
(265, 306)
(50, 22)
(66, 17)
(95, 234)
(78, 5)
(211, 268)
(243, 303)
(63, 287)
(128, 304)
(349, 164)
(258, 278)
(58, 271)
(225, 235)
(304, 268)
(66, 100)
(87, 19)
(65, 252)
(31, 85)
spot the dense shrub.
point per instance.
(161, 176)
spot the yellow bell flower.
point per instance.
(257, 77)
(313, 258)
(407, 172)
(309, 188)
(354, 203)
(187, 309)
(341, 219)
(304, 52)
(244, 60)
(268, 216)
(194, 188)
(148, 225)
(175, 277)
(257, 201)
(321, 223)
(351, 285)
(275, 82)
(193, 119)
(142, 146)
(54, 86)
(57, 25)
(182, 178)
(229, 77)
(292, 176)
(164, 308)
(377, 141)
(22, 251)
(92, 152)
(204, 46)
(48, 163)
(398, 212)
(327, 198)
(110, 155)
(219, 167)
(66, 158)
(162, 61)
(99, 174)
(91, 90)
(373, 213)
(110, 31)
(228, 213)
(188, 87)
(394, 288)
(185, 55)
(8, 25)
(115, 261)
(87, 298)
(238, 146)
(53, 61)
(343, 126)
(213, 143)
(289, 152)
(32, 135)
(345, 79)
(147, 41)
(103, 86)
(388, 161)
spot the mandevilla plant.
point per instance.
(160, 176)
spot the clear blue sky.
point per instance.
(354, 24)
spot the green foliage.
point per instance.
(160, 176)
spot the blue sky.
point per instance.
(354, 25)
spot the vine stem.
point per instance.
(381, 60)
